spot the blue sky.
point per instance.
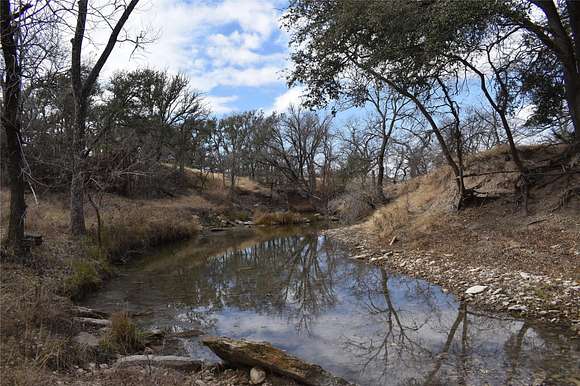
(232, 50)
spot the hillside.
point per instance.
(529, 263)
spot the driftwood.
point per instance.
(93, 322)
(262, 354)
(85, 312)
(168, 361)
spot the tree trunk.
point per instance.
(12, 125)
(572, 87)
(311, 177)
(232, 178)
(15, 235)
(381, 167)
(81, 92)
(77, 188)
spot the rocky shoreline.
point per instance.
(553, 300)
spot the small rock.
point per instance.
(476, 289)
(518, 308)
(257, 376)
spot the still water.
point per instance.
(299, 291)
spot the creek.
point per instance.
(298, 290)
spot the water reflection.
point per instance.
(299, 292)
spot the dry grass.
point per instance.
(390, 219)
(497, 231)
(278, 218)
(127, 225)
(124, 336)
(415, 205)
(216, 181)
(36, 331)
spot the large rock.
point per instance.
(86, 339)
(262, 354)
(165, 361)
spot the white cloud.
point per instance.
(238, 49)
(196, 38)
(221, 104)
(291, 97)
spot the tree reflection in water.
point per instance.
(282, 276)
(301, 293)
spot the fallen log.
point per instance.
(93, 322)
(167, 361)
(263, 354)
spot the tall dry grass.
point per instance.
(124, 336)
(416, 204)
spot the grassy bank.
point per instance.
(36, 326)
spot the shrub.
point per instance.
(84, 277)
(356, 203)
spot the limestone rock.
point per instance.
(257, 376)
(518, 308)
(86, 339)
(476, 289)
(94, 322)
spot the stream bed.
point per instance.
(298, 290)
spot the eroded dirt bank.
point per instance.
(494, 254)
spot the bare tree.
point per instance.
(11, 120)
(81, 89)
(29, 48)
(294, 144)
